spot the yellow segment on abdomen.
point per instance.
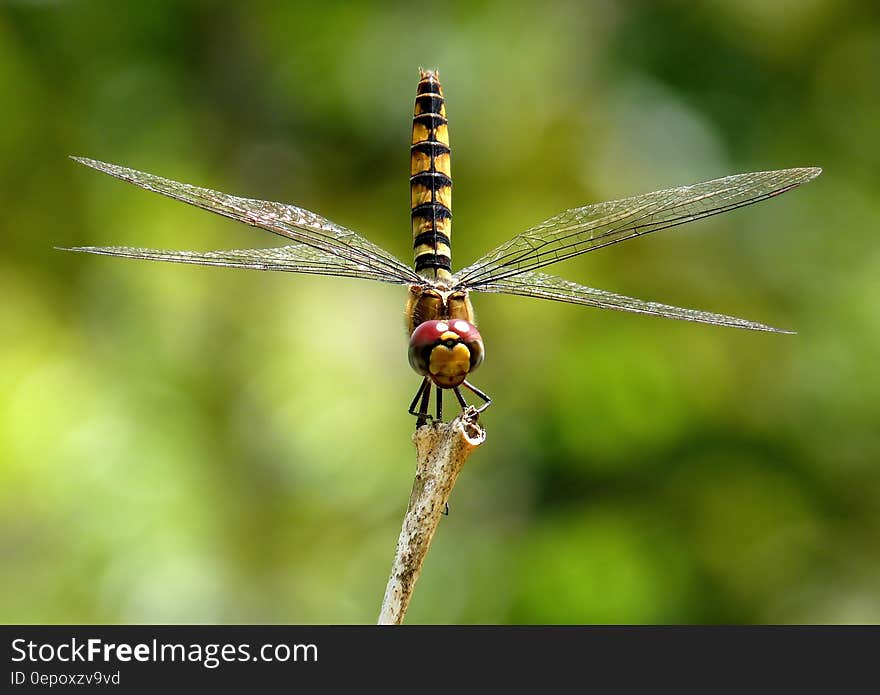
(443, 164)
(443, 195)
(441, 134)
(439, 248)
(420, 194)
(419, 162)
(426, 224)
(421, 133)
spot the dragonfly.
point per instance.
(445, 345)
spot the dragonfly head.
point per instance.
(446, 351)
(435, 303)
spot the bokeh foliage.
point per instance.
(189, 444)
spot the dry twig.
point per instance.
(442, 449)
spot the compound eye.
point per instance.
(465, 329)
(428, 333)
(424, 338)
(471, 337)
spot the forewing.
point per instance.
(342, 248)
(585, 229)
(543, 286)
(292, 259)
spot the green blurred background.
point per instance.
(206, 445)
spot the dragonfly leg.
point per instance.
(480, 394)
(412, 406)
(461, 400)
(424, 393)
(423, 408)
(439, 404)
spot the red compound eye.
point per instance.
(446, 351)
(428, 333)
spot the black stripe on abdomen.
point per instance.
(431, 211)
(432, 148)
(431, 179)
(429, 120)
(432, 237)
(433, 260)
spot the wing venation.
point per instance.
(291, 259)
(588, 228)
(543, 286)
(342, 249)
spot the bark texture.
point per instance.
(442, 449)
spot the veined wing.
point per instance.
(545, 286)
(339, 249)
(293, 259)
(585, 229)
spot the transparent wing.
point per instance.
(585, 229)
(340, 250)
(545, 286)
(292, 259)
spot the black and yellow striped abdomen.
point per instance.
(431, 182)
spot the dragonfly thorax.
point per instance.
(434, 303)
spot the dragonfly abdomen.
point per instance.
(431, 182)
